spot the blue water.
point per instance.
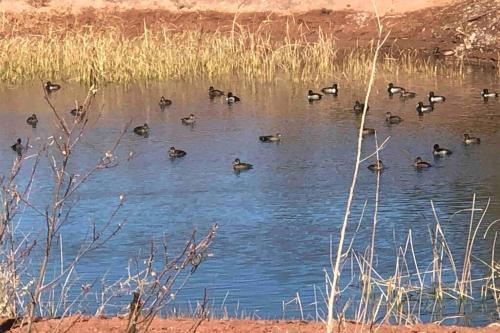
(275, 221)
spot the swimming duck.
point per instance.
(440, 151)
(333, 90)
(78, 112)
(358, 107)
(239, 166)
(190, 120)
(312, 96)
(378, 166)
(392, 89)
(164, 103)
(486, 94)
(270, 138)
(421, 108)
(368, 131)
(420, 164)
(468, 140)
(389, 118)
(142, 130)
(407, 94)
(174, 153)
(232, 98)
(32, 120)
(18, 147)
(50, 87)
(435, 99)
(212, 92)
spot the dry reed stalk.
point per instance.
(466, 279)
(336, 271)
(367, 277)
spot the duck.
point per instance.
(435, 98)
(32, 120)
(78, 112)
(142, 130)
(438, 52)
(392, 89)
(212, 92)
(438, 151)
(50, 87)
(421, 108)
(368, 131)
(389, 118)
(312, 96)
(421, 164)
(486, 94)
(18, 147)
(468, 140)
(407, 94)
(378, 166)
(239, 166)
(232, 98)
(333, 90)
(164, 103)
(270, 138)
(174, 153)
(190, 120)
(358, 107)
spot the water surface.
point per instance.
(276, 221)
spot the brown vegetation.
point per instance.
(155, 45)
(468, 26)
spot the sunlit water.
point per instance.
(277, 220)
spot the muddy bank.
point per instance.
(116, 324)
(462, 30)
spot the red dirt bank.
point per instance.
(469, 27)
(115, 324)
(283, 6)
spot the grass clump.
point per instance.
(160, 55)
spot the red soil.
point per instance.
(115, 324)
(470, 26)
(384, 6)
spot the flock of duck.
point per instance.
(390, 119)
(312, 96)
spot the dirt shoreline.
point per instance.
(467, 29)
(78, 324)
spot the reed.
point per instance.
(159, 55)
(419, 290)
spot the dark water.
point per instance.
(276, 221)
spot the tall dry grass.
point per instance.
(109, 56)
(333, 287)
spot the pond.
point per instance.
(277, 220)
